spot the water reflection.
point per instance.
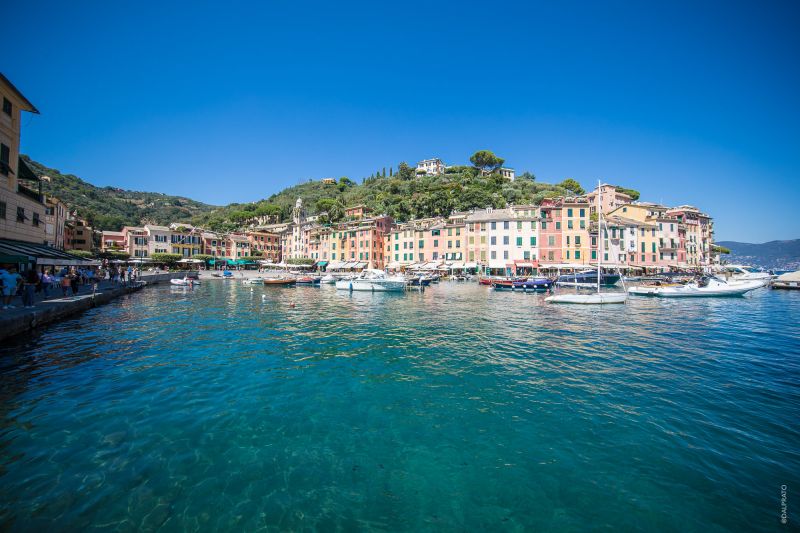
(234, 407)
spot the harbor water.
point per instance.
(236, 408)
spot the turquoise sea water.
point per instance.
(453, 409)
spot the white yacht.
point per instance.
(739, 273)
(373, 280)
(708, 286)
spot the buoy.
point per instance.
(291, 305)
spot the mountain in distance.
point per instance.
(777, 255)
(111, 208)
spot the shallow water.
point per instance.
(453, 409)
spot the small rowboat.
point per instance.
(280, 282)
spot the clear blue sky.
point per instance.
(689, 102)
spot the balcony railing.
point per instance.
(33, 195)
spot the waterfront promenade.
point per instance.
(55, 306)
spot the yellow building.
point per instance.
(22, 207)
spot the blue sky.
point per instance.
(233, 101)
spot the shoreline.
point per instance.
(14, 322)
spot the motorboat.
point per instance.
(183, 282)
(419, 281)
(526, 285)
(587, 278)
(280, 282)
(253, 281)
(328, 279)
(373, 280)
(309, 280)
(739, 273)
(593, 298)
(596, 277)
(704, 287)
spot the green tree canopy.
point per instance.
(83, 254)
(486, 161)
(169, 259)
(634, 194)
(572, 185)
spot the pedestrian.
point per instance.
(29, 288)
(45, 284)
(65, 282)
(74, 280)
(9, 279)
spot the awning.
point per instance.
(322, 263)
(497, 263)
(41, 254)
(471, 265)
(524, 265)
(335, 264)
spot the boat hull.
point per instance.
(280, 282)
(588, 299)
(366, 285)
(716, 291)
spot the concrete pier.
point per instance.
(49, 310)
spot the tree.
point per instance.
(634, 194)
(405, 172)
(203, 257)
(169, 259)
(526, 176)
(572, 185)
(486, 161)
(83, 254)
(717, 249)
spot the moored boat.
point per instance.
(309, 280)
(280, 282)
(526, 285)
(704, 287)
(587, 278)
(328, 279)
(374, 281)
(185, 282)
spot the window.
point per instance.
(583, 224)
(36, 220)
(551, 241)
(493, 240)
(519, 225)
(569, 213)
(526, 254)
(494, 254)
(435, 232)
(577, 240)
(494, 225)
(519, 241)
(421, 244)
(533, 241)
(5, 156)
(3, 210)
(505, 254)
(544, 225)
(505, 224)
(20, 214)
(567, 240)
(578, 254)
(558, 225)
(505, 239)
(6, 106)
(435, 243)
(569, 224)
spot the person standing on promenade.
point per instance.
(29, 289)
(73, 282)
(11, 281)
(45, 284)
(64, 283)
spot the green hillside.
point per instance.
(402, 195)
(110, 208)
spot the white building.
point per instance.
(510, 236)
(508, 173)
(431, 167)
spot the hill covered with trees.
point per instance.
(401, 193)
(110, 208)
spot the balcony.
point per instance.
(33, 195)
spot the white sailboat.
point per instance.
(597, 297)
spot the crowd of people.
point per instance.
(64, 282)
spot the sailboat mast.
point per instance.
(599, 227)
